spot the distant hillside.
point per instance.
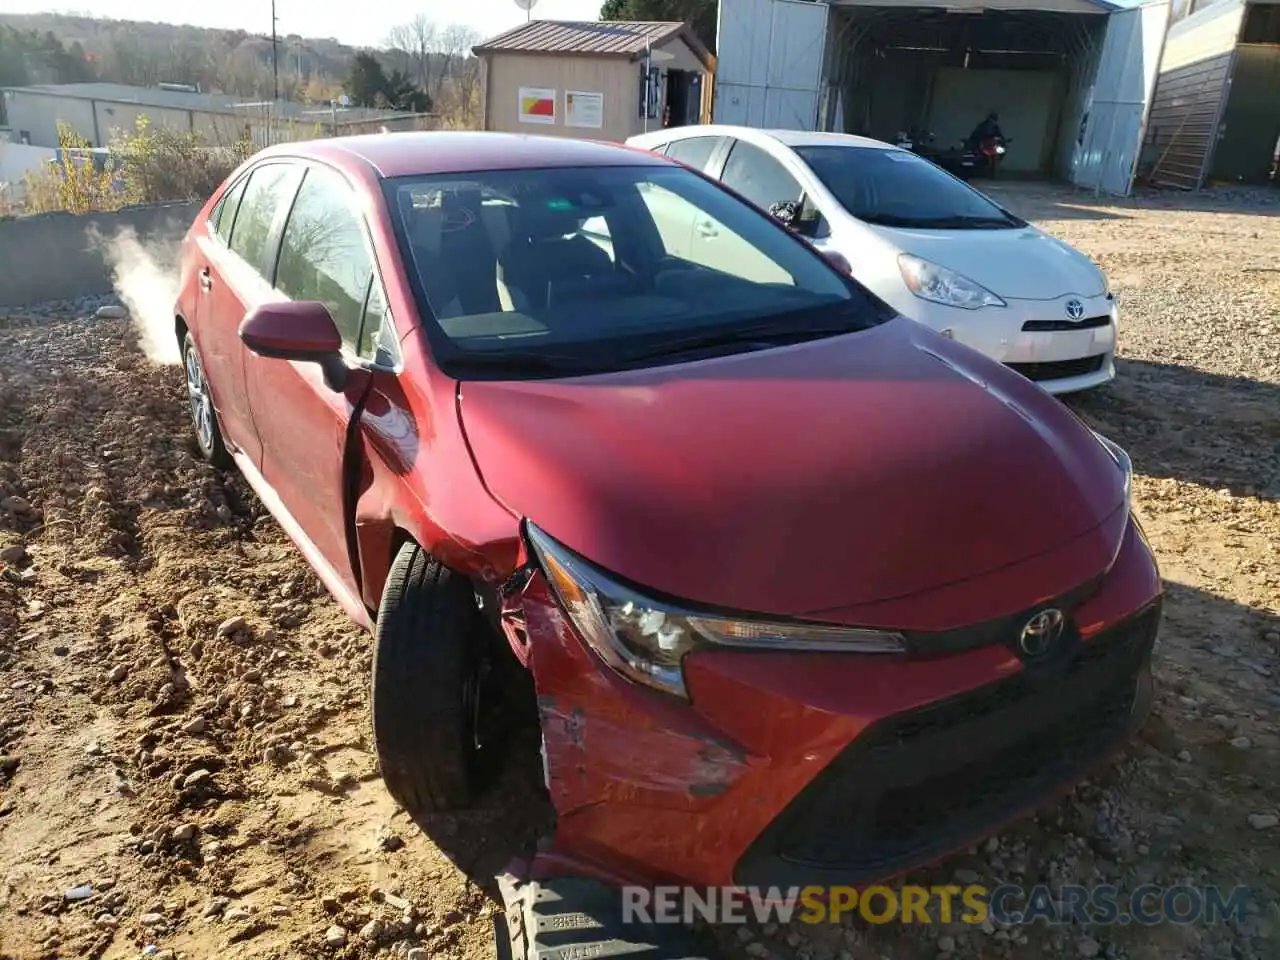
(226, 61)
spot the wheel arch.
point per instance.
(379, 540)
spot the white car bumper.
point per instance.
(1037, 338)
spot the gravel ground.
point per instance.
(182, 709)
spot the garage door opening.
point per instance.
(1071, 79)
(940, 71)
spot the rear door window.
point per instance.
(691, 234)
(759, 177)
(694, 152)
(324, 256)
(223, 216)
(268, 188)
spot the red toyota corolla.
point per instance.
(809, 594)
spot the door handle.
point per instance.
(206, 279)
(707, 230)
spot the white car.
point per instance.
(925, 242)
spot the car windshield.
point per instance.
(551, 271)
(896, 188)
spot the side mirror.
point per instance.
(786, 212)
(299, 330)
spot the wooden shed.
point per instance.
(603, 80)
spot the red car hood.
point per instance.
(805, 478)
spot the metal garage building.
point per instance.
(1216, 110)
(1071, 79)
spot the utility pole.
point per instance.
(275, 52)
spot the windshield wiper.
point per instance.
(775, 333)
(887, 220)
(963, 222)
(527, 361)
(936, 223)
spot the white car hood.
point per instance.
(1021, 264)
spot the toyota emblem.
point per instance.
(1075, 309)
(1041, 633)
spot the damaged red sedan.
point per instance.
(808, 593)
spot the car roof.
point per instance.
(462, 151)
(791, 138)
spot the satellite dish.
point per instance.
(526, 6)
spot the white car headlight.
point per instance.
(928, 281)
(646, 640)
(1124, 463)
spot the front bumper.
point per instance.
(916, 786)
(827, 768)
(1036, 338)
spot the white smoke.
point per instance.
(145, 277)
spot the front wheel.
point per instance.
(429, 666)
(200, 400)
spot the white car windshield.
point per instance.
(896, 188)
(534, 272)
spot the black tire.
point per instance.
(208, 443)
(430, 649)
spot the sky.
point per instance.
(362, 24)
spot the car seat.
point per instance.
(548, 258)
(455, 259)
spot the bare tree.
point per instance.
(424, 33)
(412, 46)
(454, 46)
(400, 43)
(466, 81)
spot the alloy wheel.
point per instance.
(201, 402)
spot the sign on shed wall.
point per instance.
(537, 105)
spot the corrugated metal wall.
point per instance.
(770, 62)
(1190, 96)
(1122, 94)
(1075, 107)
(1251, 120)
(1184, 121)
(1206, 33)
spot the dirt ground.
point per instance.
(185, 761)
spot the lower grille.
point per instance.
(915, 786)
(1059, 369)
(1062, 326)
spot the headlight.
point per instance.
(928, 281)
(646, 640)
(1124, 463)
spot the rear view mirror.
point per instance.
(300, 330)
(786, 212)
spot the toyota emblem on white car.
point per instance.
(1075, 309)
